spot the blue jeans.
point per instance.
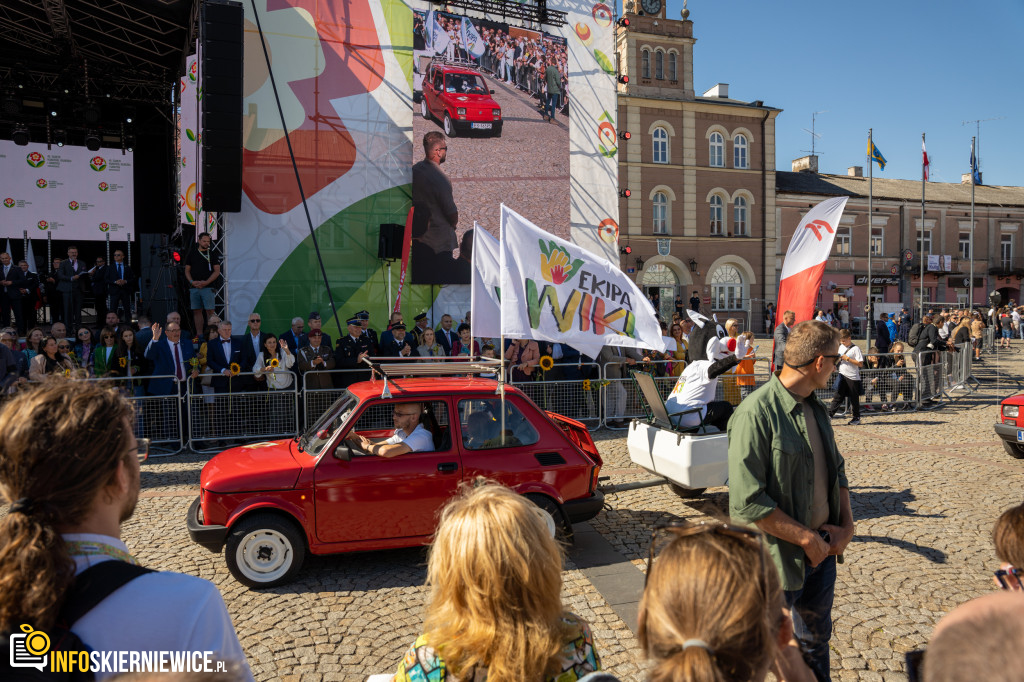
(551, 104)
(812, 614)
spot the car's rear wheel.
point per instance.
(562, 527)
(449, 127)
(424, 110)
(1014, 450)
(687, 493)
(264, 550)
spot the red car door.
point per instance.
(377, 498)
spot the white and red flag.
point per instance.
(805, 260)
(924, 159)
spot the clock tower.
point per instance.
(650, 8)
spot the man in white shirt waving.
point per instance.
(851, 359)
(410, 435)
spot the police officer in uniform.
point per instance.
(350, 352)
(369, 334)
(417, 331)
(399, 345)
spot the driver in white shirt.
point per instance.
(409, 436)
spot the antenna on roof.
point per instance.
(814, 135)
(977, 123)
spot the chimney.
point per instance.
(966, 179)
(855, 171)
(806, 164)
(720, 90)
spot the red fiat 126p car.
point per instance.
(460, 99)
(267, 504)
(1011, 425)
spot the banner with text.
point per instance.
(554, 290)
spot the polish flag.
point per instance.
(924, 153)
(805, 260)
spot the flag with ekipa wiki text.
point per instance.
(554, 290)
(805, 260)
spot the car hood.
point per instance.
(1014, 399)
(475, 100)
(257, 466)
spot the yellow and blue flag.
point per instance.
(875, 155)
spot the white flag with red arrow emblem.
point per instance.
(805, 260)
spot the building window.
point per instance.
(660, 145)
(1006, 249)
(739, 217)
(672, 66)
(739, 151)
(726, 288)
(659, 64)
(877, 241)
(716, 151)
(965, 245)
(660, 213)
(925, 248)
(645, 64)
(717, 214)
(842, 243)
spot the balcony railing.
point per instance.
(1003, 267)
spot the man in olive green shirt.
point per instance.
(553, 78)
(786, 476)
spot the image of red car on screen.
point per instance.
(459, 98)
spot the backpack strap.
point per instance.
(93, 585)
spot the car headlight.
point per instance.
(497, 114)
(1010, 410)
(460, 111)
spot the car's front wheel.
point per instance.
(449, 127)
(1014, 450)
(554, 512)
(264, 550)
(424, 110)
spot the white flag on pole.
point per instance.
(9, 252)
(31, 258)
(486, 305)
(471, 38)
(554, 290)
(437, 37)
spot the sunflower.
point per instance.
(67, 372)
(586, 384)
(274, 363)
(123, 362)
(546, 362)
(235, 369)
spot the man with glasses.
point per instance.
(120, 284)
(73, 508)
(786, 476)
(171, 358)
(410, 435)
(252, 345)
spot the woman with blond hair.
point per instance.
(713, 608)
(495, 609)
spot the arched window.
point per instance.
(645, 64)
(672, 66)
(659, 65)
(739, 151)
(716, 150)
(660, 212)
(726, 288)
(739, 217)
(660, 145)
(717, 215)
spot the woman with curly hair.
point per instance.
(495, 609)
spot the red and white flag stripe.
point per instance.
(924, 154)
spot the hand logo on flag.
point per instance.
(819, 224)
(554, 263)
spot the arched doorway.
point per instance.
(661, 279)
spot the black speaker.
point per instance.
(221, 50)
(389, 245)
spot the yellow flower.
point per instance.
(274, 363)
(122, 361)
(67, 372)
(235, 369)
(546, 362)
(586, 384)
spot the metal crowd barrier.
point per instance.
(157, 417)
(570, 389)
(242, 413)
(316, 400)
(988, 339)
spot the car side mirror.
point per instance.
(492, 92)
(343, 451)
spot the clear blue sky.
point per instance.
(901, 67)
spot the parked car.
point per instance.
(1011, 425)
(268, 504)
(459, 98)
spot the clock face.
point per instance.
(651, 6)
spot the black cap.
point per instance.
(421, 316)
(355, 321)
(314, 315)
(363, 315)
(400, 325)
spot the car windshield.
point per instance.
(465, 83)
(321, 433)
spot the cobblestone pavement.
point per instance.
(926, 489)
(527, 168)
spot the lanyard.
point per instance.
(79, 548)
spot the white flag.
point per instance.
(485, 304)
(31, 258)
(471, 38)
(437, 37)
(554, 290)
(805, 260)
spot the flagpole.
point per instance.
(502, 261)
(921, 242)
(970, 288)
(871, 183)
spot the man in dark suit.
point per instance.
(71, 285)
(350, 353)
(120, 282)
(445, 336)
(421, 325)
(170, 357)
(11, 283)
(293, 337)
(98, 286)
(882, 340)
(220, 354)
(29, 295)
(782, 335)
(928, 345)
(252, 345)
